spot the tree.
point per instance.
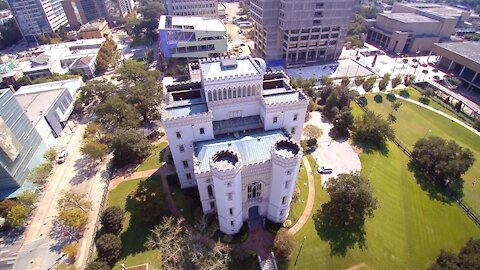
(441, 160)
(24, 80)
(368, 83)
(312, 132)
(372, 128)
(382, 85)
(94, 149)
(467, 258)
(73, 218)
(149, 56)
(129, 146)
(50, 155)
(325, 80)
(148, 199)
(146, 97)
(107, 55)
(55, 77)
(170, 239)
(359, 81)
(151, 9)
(109, 248)
(345, 81)
(17, 215)
(409, 79)
(5, 207)
(283, 244)
(396, 81)
(27, 197)
(112, 219)
(71, 250)
(477, 124)
(76, 200)
(98, 265)
(115, 113)
(343, 121)
(341, 220)
(40, 173)
(96, 91)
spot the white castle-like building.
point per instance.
(233, 131)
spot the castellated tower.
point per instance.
(286, 155)
(227, 179)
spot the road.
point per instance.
(43, 239)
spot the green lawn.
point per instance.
(414, 122)
(408, 228)
(154, 161)
(299, 205)
(134, 233)
(434, 102)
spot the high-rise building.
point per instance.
(75, 13)
(35, 17)
(233, 131)
(21, 146)
(300, 32)
(200, 8)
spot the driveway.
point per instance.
(338, 154)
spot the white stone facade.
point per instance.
(234, 135)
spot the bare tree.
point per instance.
(72, 199)
(312, 132)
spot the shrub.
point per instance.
(227, 238)
(477, 124)
(287, 223)
(112, 219)
(5, 207)
(17, 215)
(424, 100)
(109, 247)
(97, 265)
(283, 244)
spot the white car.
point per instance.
(325, 169)
(61, 157)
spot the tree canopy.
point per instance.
(441, 160)
(312, 132)
(372, 128)
(112, 219)
(467, 258)
(129, 146)
(109, 248)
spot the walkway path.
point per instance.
(143, 174)
(439, 112)
(310, 200)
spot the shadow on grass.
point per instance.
(363, 101)
(391, 97)
(434, 190)
(378, 98)
(370, 147)
(136, 232)
(404, 93)
(340, 236)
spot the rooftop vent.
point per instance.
(229, 63)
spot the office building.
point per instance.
(293, 33)
(75, 14)
(200, 8)
(437, 12)
(21, 146)
(95, 29)
(462, 59)
(48, 106)
(35, 17)
(233, 133)
(192, 37)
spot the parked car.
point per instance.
(325, 169)
(62, 156)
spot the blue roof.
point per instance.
(282, 97)
(251, 148)
(188, 110)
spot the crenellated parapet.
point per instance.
(286, 152)
(170, 120)
(225, 164)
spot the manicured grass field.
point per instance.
(414, 122)
(298, 207)
(407, 231)
(134, 233)
(155, 160)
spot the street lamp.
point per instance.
(301, 246)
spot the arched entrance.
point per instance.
(253, 212)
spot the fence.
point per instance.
(106, 178)
(465, 207)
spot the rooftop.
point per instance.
(282, 97)
(36, 104)
(467, 49)
(439, 9)
(189, 107)
(91, 26)
(190, 23)
(407, 17)
(220, 68)
(251, 148)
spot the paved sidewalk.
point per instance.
(143, 174)
(439, 112)
(310, 200)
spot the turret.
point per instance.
(227, 180)
(286, 155)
